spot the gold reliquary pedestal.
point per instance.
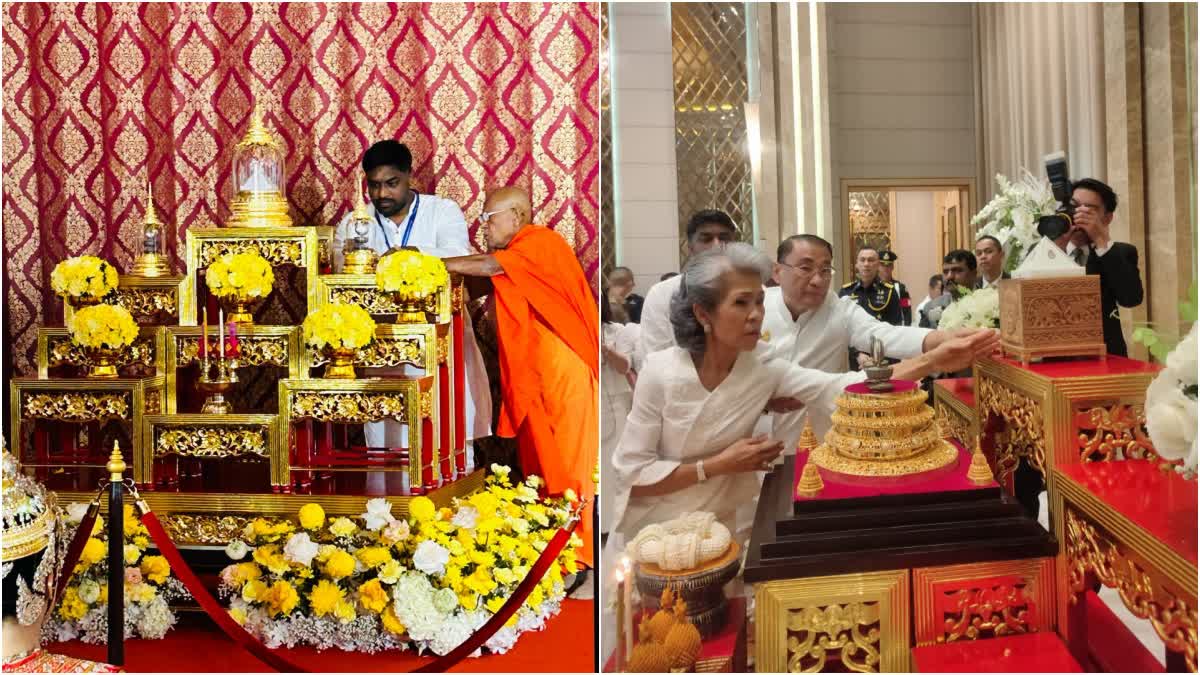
(1053, 316)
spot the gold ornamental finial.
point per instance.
(257, 133)
(116, 463)
(810, 484)
(808, 440)
(151, 217)
(979, 473)
(360, 209)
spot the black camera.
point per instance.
(1063, 219)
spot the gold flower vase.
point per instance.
(215, 388)
(341, 363)
(237, 308)
(412, 307)
(102, 362)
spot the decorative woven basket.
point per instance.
(703, 588)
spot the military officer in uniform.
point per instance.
(878, 297)
(887, 267)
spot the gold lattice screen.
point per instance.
(708, 49)
(870, 220)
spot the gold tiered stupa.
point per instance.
(884, 429)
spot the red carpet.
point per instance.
(197, 645)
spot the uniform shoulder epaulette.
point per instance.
(887, 284)
(848, 285)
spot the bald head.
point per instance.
(507, 210)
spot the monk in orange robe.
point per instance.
(548, 333)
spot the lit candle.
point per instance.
(627, 600)
(221, 331)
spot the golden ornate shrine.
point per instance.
(291, 437)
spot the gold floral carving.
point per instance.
(276, 252)
(851, 631)
(210, 442)
(456, 297)
(443, 348)
(971, 613)
(1117, 431)
(153, 401)
(61, 351)
(148, 304)
(1053, 312)
(952, 424)
(76, 406)
(254, 351)
(1023, 435)
(427, 404)
(371, 299)
(200, 529)
(381, 353)
(1092, 550)
(349, 407)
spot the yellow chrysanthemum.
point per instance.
(140, 593)
(480, 581)
(372, 596)
(93, 552)
(422, 509)
(312, 516)
(391, 623)
(494, 603)
(238, 614)
(246, 274)
(272, 558)
(103, 326)
(281, 598)
(72, 608)
(344, 611)
(504, 575)
(339, 565)
(339, 325)
(468, 600)
(373, 556)
(103, 594)
(325, 597)
(254, 591)
(343, 527)
(411, 273)
(155, 568)
(242, 573)
(83, 276)
(535, 599)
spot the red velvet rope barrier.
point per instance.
(74, 551)
(240, 635)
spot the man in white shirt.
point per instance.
(705, 229)
(989, 257)
(401, 218)
(807, 324)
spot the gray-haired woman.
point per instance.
(687, 444)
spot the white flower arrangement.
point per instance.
(977, 309)
(1012, 215)
(1171, 406)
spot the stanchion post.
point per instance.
(116, 558)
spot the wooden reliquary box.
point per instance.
(1054, 316)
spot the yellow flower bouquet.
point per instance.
(84, 279)
(337, 330)
(425, 581)
(411, 277)
(102, 330)
(239, 278)
(149, 586)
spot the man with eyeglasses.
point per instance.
(402, 218)
(807, 324)
(548, 334)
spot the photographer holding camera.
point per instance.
(1089, 243)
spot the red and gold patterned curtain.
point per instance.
(98, 98)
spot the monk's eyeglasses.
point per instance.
(488, 214)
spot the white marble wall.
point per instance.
(643, 90)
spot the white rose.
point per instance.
(76, 511)
(378, 515)
(236, 549)
(1170, 418)
(430, 557)
(300, 549)
(465, 517)
(1182, 360)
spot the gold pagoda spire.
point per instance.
(808, 440)
(151, 262)
(979, 473)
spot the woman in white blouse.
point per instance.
(687, 443)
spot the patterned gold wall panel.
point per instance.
(981, 600)
(708, 50)
(870, 219)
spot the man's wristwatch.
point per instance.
(700, 475)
